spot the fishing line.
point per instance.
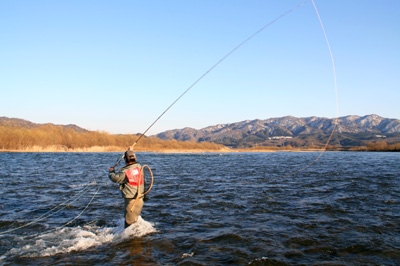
(53, 211)
(87, 206)
(214, 66)
(337, 101)
(69, 222)
(141, 179)
(236, 48)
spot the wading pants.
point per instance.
(132, 217)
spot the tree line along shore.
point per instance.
(53, 138)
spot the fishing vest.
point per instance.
(134, 176)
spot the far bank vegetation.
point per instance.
(53, 138)
(378, 146)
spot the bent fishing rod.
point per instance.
(212, 67)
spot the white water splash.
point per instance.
(79, 238)
(185, 255)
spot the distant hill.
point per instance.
(16, 122)
(352, 130)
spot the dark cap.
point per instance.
(130, 156)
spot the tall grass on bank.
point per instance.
(378, 146)
(50, 138)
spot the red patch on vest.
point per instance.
(133, 176)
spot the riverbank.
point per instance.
(60, 149)
(215, 149)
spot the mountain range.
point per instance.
(351, 130)
(17, 122)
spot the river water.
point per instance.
(203, 209)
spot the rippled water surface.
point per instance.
(203, 209)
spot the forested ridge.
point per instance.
(299, 132)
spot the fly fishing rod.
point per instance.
(214, 66)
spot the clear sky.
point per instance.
(117, 65)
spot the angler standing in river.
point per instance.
(130, 179)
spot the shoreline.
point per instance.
(110, 149)
(171, 151)
(114, 149)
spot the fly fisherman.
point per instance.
(129, 177)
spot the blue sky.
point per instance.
(115, 66)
